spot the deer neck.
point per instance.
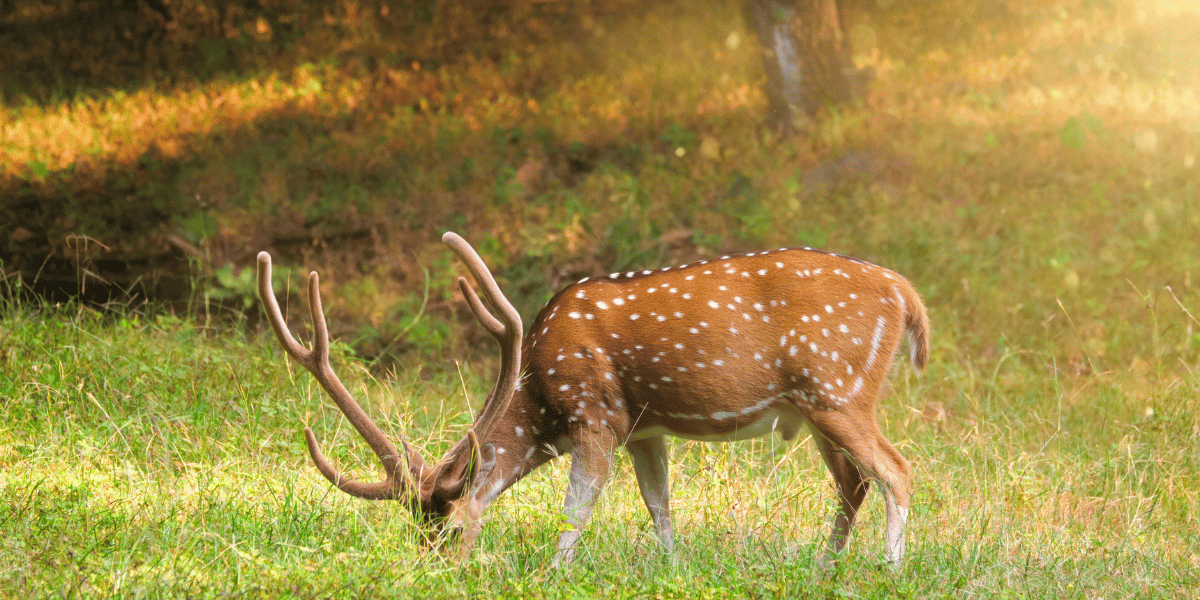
(523, 441)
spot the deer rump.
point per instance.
(722, 349)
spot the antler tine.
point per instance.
(507, 330)
(316, 361)
(489, 322)
(274, 315)
(509, 316)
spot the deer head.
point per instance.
(722, 349)
(431, 491)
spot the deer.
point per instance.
(722, 349)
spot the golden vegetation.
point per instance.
(1030, 166)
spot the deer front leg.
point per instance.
(650, 466)
(591, 459)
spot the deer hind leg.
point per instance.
(591, 459)
(851, 489)
(854, 452)
(650, 466)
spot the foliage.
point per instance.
(1031, 167)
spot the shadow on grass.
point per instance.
(58, 51)
(134, 228)
(295, 181)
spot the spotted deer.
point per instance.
(723, 349)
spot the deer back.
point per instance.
(708, 350)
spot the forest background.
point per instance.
(1029, 166)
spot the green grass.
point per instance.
(1038, 188)
(144, 458)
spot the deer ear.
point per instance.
(458, 469)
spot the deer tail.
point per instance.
(916, 322)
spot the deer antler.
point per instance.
(455, 470)
(507, 330)
(316, 361)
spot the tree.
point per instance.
(806, 55)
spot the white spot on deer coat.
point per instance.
(858, 383)
(880, 324)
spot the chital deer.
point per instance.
(722, 349)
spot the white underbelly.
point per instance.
(781, 418)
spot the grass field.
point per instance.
(1030, 167)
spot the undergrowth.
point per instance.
(1030, 167)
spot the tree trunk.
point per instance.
(806, 55)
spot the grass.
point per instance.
(1031, 169)
(145, 458)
